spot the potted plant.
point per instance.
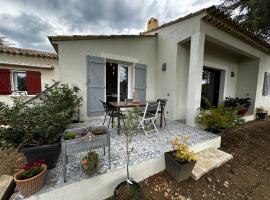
(242, 104)
(261, 113)
(77, 140)
(31, 178)
(180, 161)
(129, 189)
(38, 126)
(90, 163)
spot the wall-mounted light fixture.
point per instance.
(232, 74)
(164, 66)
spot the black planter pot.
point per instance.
(178, 171)
(50, 153)
(134, 187)
(261, 115)
(215, 130)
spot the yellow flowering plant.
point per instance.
(182, 153)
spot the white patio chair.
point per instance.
(149, 115)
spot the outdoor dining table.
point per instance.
(127, 104)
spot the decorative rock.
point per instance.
(234, 172)
(166, 194)
(226, 184)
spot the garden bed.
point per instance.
(246, 176)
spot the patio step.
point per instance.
(208, 160)
(7, 186)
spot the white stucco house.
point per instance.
(170, 61)
(25, 72)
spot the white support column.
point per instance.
(195, 77)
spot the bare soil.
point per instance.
(246, 176)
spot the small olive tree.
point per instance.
(130, 128)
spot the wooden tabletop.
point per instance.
(123, 104)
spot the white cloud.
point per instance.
(27, 23)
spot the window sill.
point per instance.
(19, 95)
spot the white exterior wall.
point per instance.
(195, 77)
(264, 66)
(72, 60)
(247, 81)
(47, 75)
(182, 69)
(167, 46)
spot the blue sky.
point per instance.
(27, 23)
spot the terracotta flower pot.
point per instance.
(31, 185)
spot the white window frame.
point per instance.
(14, 87)
(129, 81)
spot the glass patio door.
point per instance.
(118, 82)
(123, 82)
(210, 87)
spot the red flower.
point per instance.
(34, 163)
(84, 161)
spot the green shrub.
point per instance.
(42, 121)
(70, 135)
(219, 118)
(240, 103)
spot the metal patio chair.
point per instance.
(149, 115)
(111, 112)
(162, 110)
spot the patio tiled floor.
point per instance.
(145, 147)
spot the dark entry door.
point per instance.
(210, 87)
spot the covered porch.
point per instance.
(214, 70)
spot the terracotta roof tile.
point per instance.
(28, 52)
(217, 18)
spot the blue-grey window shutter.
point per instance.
(266, 84)
(95, 85)
(140, 80)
